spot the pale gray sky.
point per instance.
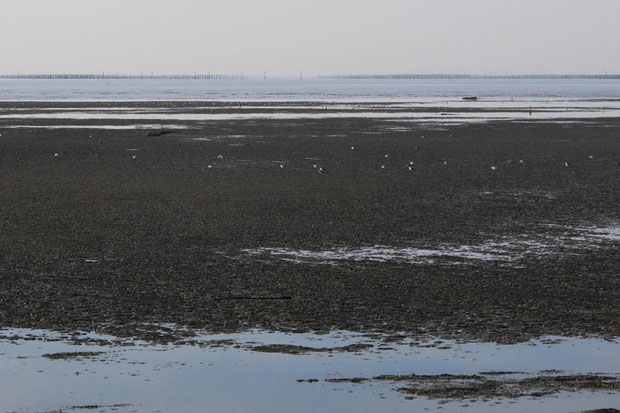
(283, 37)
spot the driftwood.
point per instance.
(250, 297)
(157, 132)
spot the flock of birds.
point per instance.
(409, 167)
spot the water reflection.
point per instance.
(232, 372)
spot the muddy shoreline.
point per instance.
(108, 230)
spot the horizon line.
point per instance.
(211, 76)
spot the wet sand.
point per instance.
(106, 230)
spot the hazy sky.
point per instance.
(282, 37)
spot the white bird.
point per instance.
(56, 154)
(220, 157)
(382, 166)
(387, 155)
(521, 161)
(352, 148)
(321, 170)
(566, 164)
(210, 166)
(493, 168)
(445, 162)
(134, 157)
(281, 166)
(410, 167)
(410, 162)
(315, 166)
(589, 156)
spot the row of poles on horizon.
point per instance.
(210, 76)
(116, 76)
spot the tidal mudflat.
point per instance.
(468, 233)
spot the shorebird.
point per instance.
(56, 154)
(134, 157)
(566, 164)
(352, 148)
(281, 166)
(382, 166)
(315, 166)
(493, 168)
(410, 167)
(445, 162)
(321, 170)
(410, 162)
(591, 156)
(387, 155)
(220, 157)
(521, 161)
(210, 166)
(509, 161)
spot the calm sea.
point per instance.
(307, 89)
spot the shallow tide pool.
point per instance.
(255, 371)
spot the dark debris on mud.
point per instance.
(479, 386)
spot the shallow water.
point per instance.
(105, 127)
(305, 90)
(430, 111)
(236, 377)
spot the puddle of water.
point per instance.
(137, 126)
(188, 378)
(509, 251)
(595, 233)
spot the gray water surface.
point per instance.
(306, 89)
